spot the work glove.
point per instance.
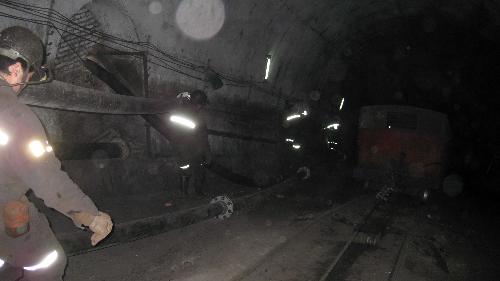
(101, 225)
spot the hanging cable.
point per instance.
(58, 30)
(54, 19)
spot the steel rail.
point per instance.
(281, 246)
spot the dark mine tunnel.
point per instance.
(147, 140)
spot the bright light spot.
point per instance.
(289, 140)
(4, 138)
(46, 262)
(425, 196)
(268, 66)
(1, 263)
(335, 126)
(155, 7)
(184, 167)
(341, 104)
(182, 121)
(304, 113)
(296, 146)
(389, 126)
(291, 117)
(200, 19)
(36, 148)
(49, 148)
(331, 148)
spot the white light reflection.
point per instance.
(4, 138)
(46, 262)
(335, 126)
(289, 140)
(184, 167)
(341, 104)
(296, 146)
(268, 66)
(182, 121)
(291, 117)
(36, 148)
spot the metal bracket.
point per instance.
(226, 204)
(304, 173)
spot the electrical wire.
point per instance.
(59, 30)
(89, 32)
(53, 17)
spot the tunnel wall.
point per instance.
(240, 48)
(312, 44)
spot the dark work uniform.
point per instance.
(21, 170)
(191, 148)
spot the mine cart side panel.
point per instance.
(387, 133)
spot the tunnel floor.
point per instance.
(304, 234)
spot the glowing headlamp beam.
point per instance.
(46, 262)
(182, 121)
(268, 66)
(291, 117)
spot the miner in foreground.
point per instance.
(28, 247)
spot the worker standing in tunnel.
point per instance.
(28, 247)
(191, 144)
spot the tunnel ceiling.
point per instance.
(424, 53)
(315, 45)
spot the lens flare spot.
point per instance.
(155, 7)
(200, 19)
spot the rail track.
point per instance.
(320, 250)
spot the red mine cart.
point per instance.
(406, 140)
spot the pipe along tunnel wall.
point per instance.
(77, 243)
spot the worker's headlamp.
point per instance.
(41, 75)
(2, 262)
